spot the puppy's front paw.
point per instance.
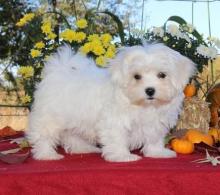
(121, 157)
(47, 156)
(162, 153)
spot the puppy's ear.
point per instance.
(185, 70)
(116, 66)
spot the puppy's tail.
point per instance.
(66, 59)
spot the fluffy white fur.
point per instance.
(78, 105)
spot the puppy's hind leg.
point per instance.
(44, 138)
(74, 144)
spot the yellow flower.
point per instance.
(51, 36)
(86, 48)
(39, 45)
(93, 37)
(26, 18)
(109, 53)
(21, 22)
(80, 36)
(35, 53)
(98, 50)
(26, 71)
(81, 23)
(29, 16)
(25, 99)
(106, 39)
(100, 61)
(112, 47)
(68, 35)
(46, 27)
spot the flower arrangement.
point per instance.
(87, 36)
(184, 38)
(82, 36)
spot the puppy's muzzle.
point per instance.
(150, 91)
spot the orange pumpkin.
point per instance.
(190, 90)
(182, 146)
(196, 136)
(215, 133)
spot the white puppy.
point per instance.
(130, 105)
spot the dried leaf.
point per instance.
(209, 159)
(202, 147)
(10, 151)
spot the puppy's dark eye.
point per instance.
(137, 76)
(161, 75)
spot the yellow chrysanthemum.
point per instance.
(109, 53)
(112, 47)
(26, 18)
(93, 37)
(21, 22)
(51, 36)
(26, 71)
(106, 39)
(29, 16)
(98, 50)
(68, 35)
(81, 23)
(80, 36)
(25, 99)
(39, 45)
(86, 48)
(35, 53)
(46, 27)
(100, 61)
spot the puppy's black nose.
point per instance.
(150, 91)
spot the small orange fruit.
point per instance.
(196, 136)
(190, 90)
(182, 146)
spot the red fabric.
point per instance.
(90, 174)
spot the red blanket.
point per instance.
(90, 174)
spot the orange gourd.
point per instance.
(215, 133)
(196, 136)
(182, 146)
(190, 90)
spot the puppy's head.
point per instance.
(152, 74)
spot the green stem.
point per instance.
(74, 7)
(210, 34)
(142, 15)
(98, 5)
(60, 14)
(192, 12)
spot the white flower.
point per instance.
(174, 31)
(189, 45)
(212, 52)
(208, 52)
(165, 38)
(158, 31)
(216, 42)
(191, 28)
(186, 37)
(137, 32)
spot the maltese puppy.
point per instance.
(131, 104)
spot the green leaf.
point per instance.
(89, 13)
(119, 24)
